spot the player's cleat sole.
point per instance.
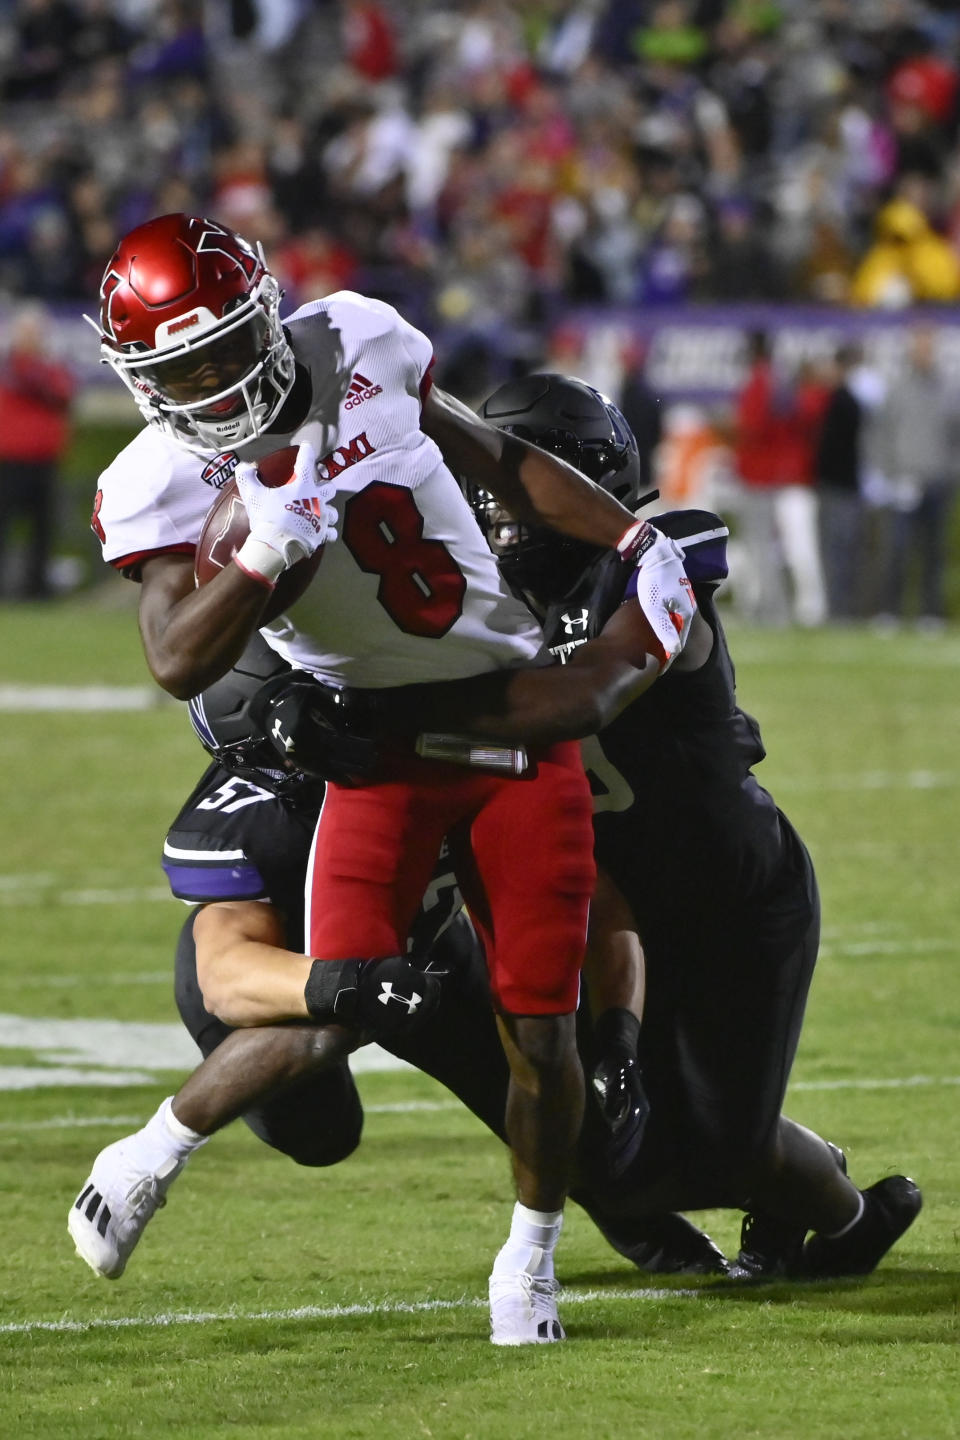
(772, 1249)
(890, 1208)
(667, 1244)
(115, 1205)
(523, 1310)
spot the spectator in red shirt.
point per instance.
(369, 41)
(35, 397)
(777, 427)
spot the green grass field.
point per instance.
(350, 1303)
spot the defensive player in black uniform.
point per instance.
(720, 885)
(243, 838)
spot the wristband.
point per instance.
(260, 561)
(635, 542)
(331, 990)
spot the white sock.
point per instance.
(835, 1234)
(531, 1243)
(186, 1138)
(164, 1138)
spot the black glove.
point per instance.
(382, 996)
(303, 721)
(616, 1084)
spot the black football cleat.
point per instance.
(770, 1248)
(890, 1208)
(667, 1244)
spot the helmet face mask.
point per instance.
(535, 561)
(258, 762)
(189, 320)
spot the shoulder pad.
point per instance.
(200, 871)
(702, 536)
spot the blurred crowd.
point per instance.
(478, 160)
(486, 164)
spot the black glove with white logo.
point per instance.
(382, 996)
(616, 1084)
(304, 722)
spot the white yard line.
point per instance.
(133, 1122)
(416, 1107)
(322, 1312)
(33, 895)
(33, 698)
(56, 1077)
(121, 977)
(93, 1053)
(75, 1122)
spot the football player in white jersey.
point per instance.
(189, 319)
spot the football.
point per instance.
(226, 527)
(276, 468)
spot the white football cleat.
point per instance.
(113, 1208)
(523, 1309)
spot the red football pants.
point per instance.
(522, 850)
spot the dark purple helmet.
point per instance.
(570, 419)
(222, 720)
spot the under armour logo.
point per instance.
(277, 733)
(386, 995)
(572, 623)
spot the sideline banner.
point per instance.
(693, 352)
(699, 353)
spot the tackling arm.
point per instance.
(248, 979)
(568, 702)
(532, 484)
(246, 975)
(537, 706)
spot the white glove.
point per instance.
(293, 519)
(661, 587)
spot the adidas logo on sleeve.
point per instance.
(360, 389)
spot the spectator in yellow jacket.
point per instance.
(907, 263)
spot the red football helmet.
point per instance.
(190, 321)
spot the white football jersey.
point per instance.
(410, 591)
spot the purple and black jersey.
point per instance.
(720, 884)
(676, 806)
(235, 840)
